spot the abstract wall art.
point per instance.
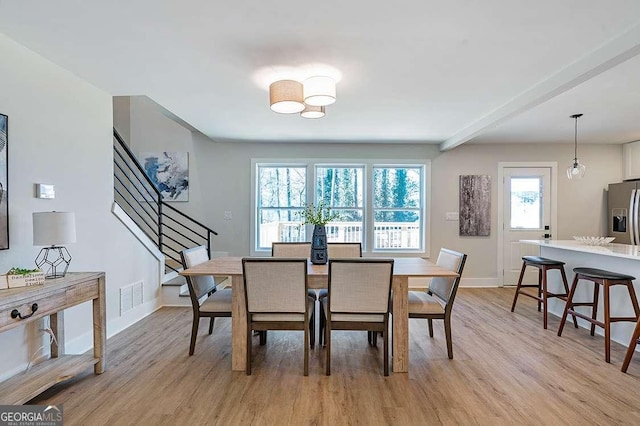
(475, 205)
(4, 200)
(169, 172)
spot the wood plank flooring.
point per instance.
(506, 370)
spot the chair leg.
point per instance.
(634, 300)
(211, 325)
(515, 296)
(566, 291)
(327, 342)
(385, 339)
(370, 337)
(543, 278)
(306, 351)
(539, 288)
(568, 305)
(447, 332)
(607, 324)
(312, 330)
(323, 321)
(594, 312)
(374, 338)
(194, 333)
(248, 366)
(430, 323)
(263, 337)
(632, 348)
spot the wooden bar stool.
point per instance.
(635, 339)
(606, 279)
(543, 264)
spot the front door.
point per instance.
(526, 216)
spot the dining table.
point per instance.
(317, 277)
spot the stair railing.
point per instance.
(170, 229)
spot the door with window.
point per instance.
(527, 216)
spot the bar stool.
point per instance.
(543, 264)
(606, 279)
(635, 339)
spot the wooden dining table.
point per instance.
(317, 275)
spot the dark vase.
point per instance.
(319, 245)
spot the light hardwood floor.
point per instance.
(506, 370)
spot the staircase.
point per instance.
(165, 227)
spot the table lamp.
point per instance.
(53, 229)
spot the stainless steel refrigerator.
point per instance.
(624, 211)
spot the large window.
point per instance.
(397, 207)
(281, 195)
(383, 206)
(341, 189)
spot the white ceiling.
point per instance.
(424, 71)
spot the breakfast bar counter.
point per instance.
(621, 258)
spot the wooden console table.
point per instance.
(51, 299)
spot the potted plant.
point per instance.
(318, 215)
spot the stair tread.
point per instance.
(176, 281)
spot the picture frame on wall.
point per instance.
(475, 206)
(169, 172)
(4, 183)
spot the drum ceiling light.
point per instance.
(308, 98)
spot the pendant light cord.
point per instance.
(575, 138)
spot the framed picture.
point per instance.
(475, 205)
(4, 176)
(169, 172)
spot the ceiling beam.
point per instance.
(600, 60)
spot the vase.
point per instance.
(319, 245)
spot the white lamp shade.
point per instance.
(319, 91)
(54, 228)
(285, 96)
(311, 111)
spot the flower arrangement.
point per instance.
(319, 214)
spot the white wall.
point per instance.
(60, 132)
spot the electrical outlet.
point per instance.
(452, 216)
(227, 215)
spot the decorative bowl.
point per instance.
(594, 241)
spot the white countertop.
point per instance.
(615, 250)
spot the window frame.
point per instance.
(368, 214)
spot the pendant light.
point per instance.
(576, 170)
(285, 96)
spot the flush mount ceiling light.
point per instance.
(311, 111)
(576, 170)
(288, 96)
(319, 91)
(285, 96)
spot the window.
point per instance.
(341, 189)
(397, 207)
(526, 208)
(282, 193)
(383, 206)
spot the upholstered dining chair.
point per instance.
(217, 302)
(337, 251)
(276, 298)
(358, 299)
(437, 301)
(295, 250)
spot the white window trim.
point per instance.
(311, 163)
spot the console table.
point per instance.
(51, 299)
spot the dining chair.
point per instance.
(296, 250)
(337, 251)
(206, 300)
(276, 298)
(437, 301)
(358, 299)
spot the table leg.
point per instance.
(100, 328)
(238, 325)
(400, 325)
(56, 322)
